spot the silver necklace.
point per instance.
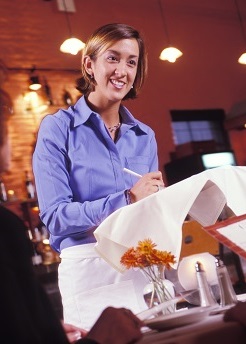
(114, 128)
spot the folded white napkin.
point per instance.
(160, 216)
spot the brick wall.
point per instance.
(24, 122)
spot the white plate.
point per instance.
(177, 319)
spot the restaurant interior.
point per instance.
(196, 104)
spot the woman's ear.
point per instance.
(87, 64)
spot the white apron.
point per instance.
(88, 285)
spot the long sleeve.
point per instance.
(78, 173)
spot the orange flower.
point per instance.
(129, 258)
(145, 255)
(152, 262)
(146, 246)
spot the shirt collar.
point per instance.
(129, 120)
(82, 112)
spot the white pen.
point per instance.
(132, 172)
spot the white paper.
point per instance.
(235, 232)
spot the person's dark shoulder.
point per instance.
(9, 217)
(14, 243)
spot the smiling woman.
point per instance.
(103, 39)
(78, 166)
(114, 71)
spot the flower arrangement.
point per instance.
(152, 262)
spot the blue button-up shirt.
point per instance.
(78, 170)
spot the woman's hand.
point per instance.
(146, 185)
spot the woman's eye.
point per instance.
(112, 58)
(132, 63)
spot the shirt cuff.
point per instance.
(128, 197)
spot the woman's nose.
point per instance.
(120, 70)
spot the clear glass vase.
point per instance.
(159, 289)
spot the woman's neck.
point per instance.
(108, 111)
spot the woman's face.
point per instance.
(115, 70)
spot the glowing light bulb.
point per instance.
(72, 46)
(170, 54)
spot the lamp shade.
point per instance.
(187, 272)
(242, 59)
(170, 54)
(72, 46)
(34, 83)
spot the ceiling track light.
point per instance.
(170, 53)
(34, 83)
(71, 45)
(242, 58)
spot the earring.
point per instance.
(91, 76)
(132, 86)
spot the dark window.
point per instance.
(199, 125)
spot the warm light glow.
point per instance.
(46, 241)
(34, 103)
(11, 195)
(242, 59)
(34, 83)
(35, 87)
(31, 97)
(170, 54)
(187, 272)
(72, 46)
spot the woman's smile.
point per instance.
(118, 84)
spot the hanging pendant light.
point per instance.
(34, 83)
(242, 58)
(170, 53)
(71, 45)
